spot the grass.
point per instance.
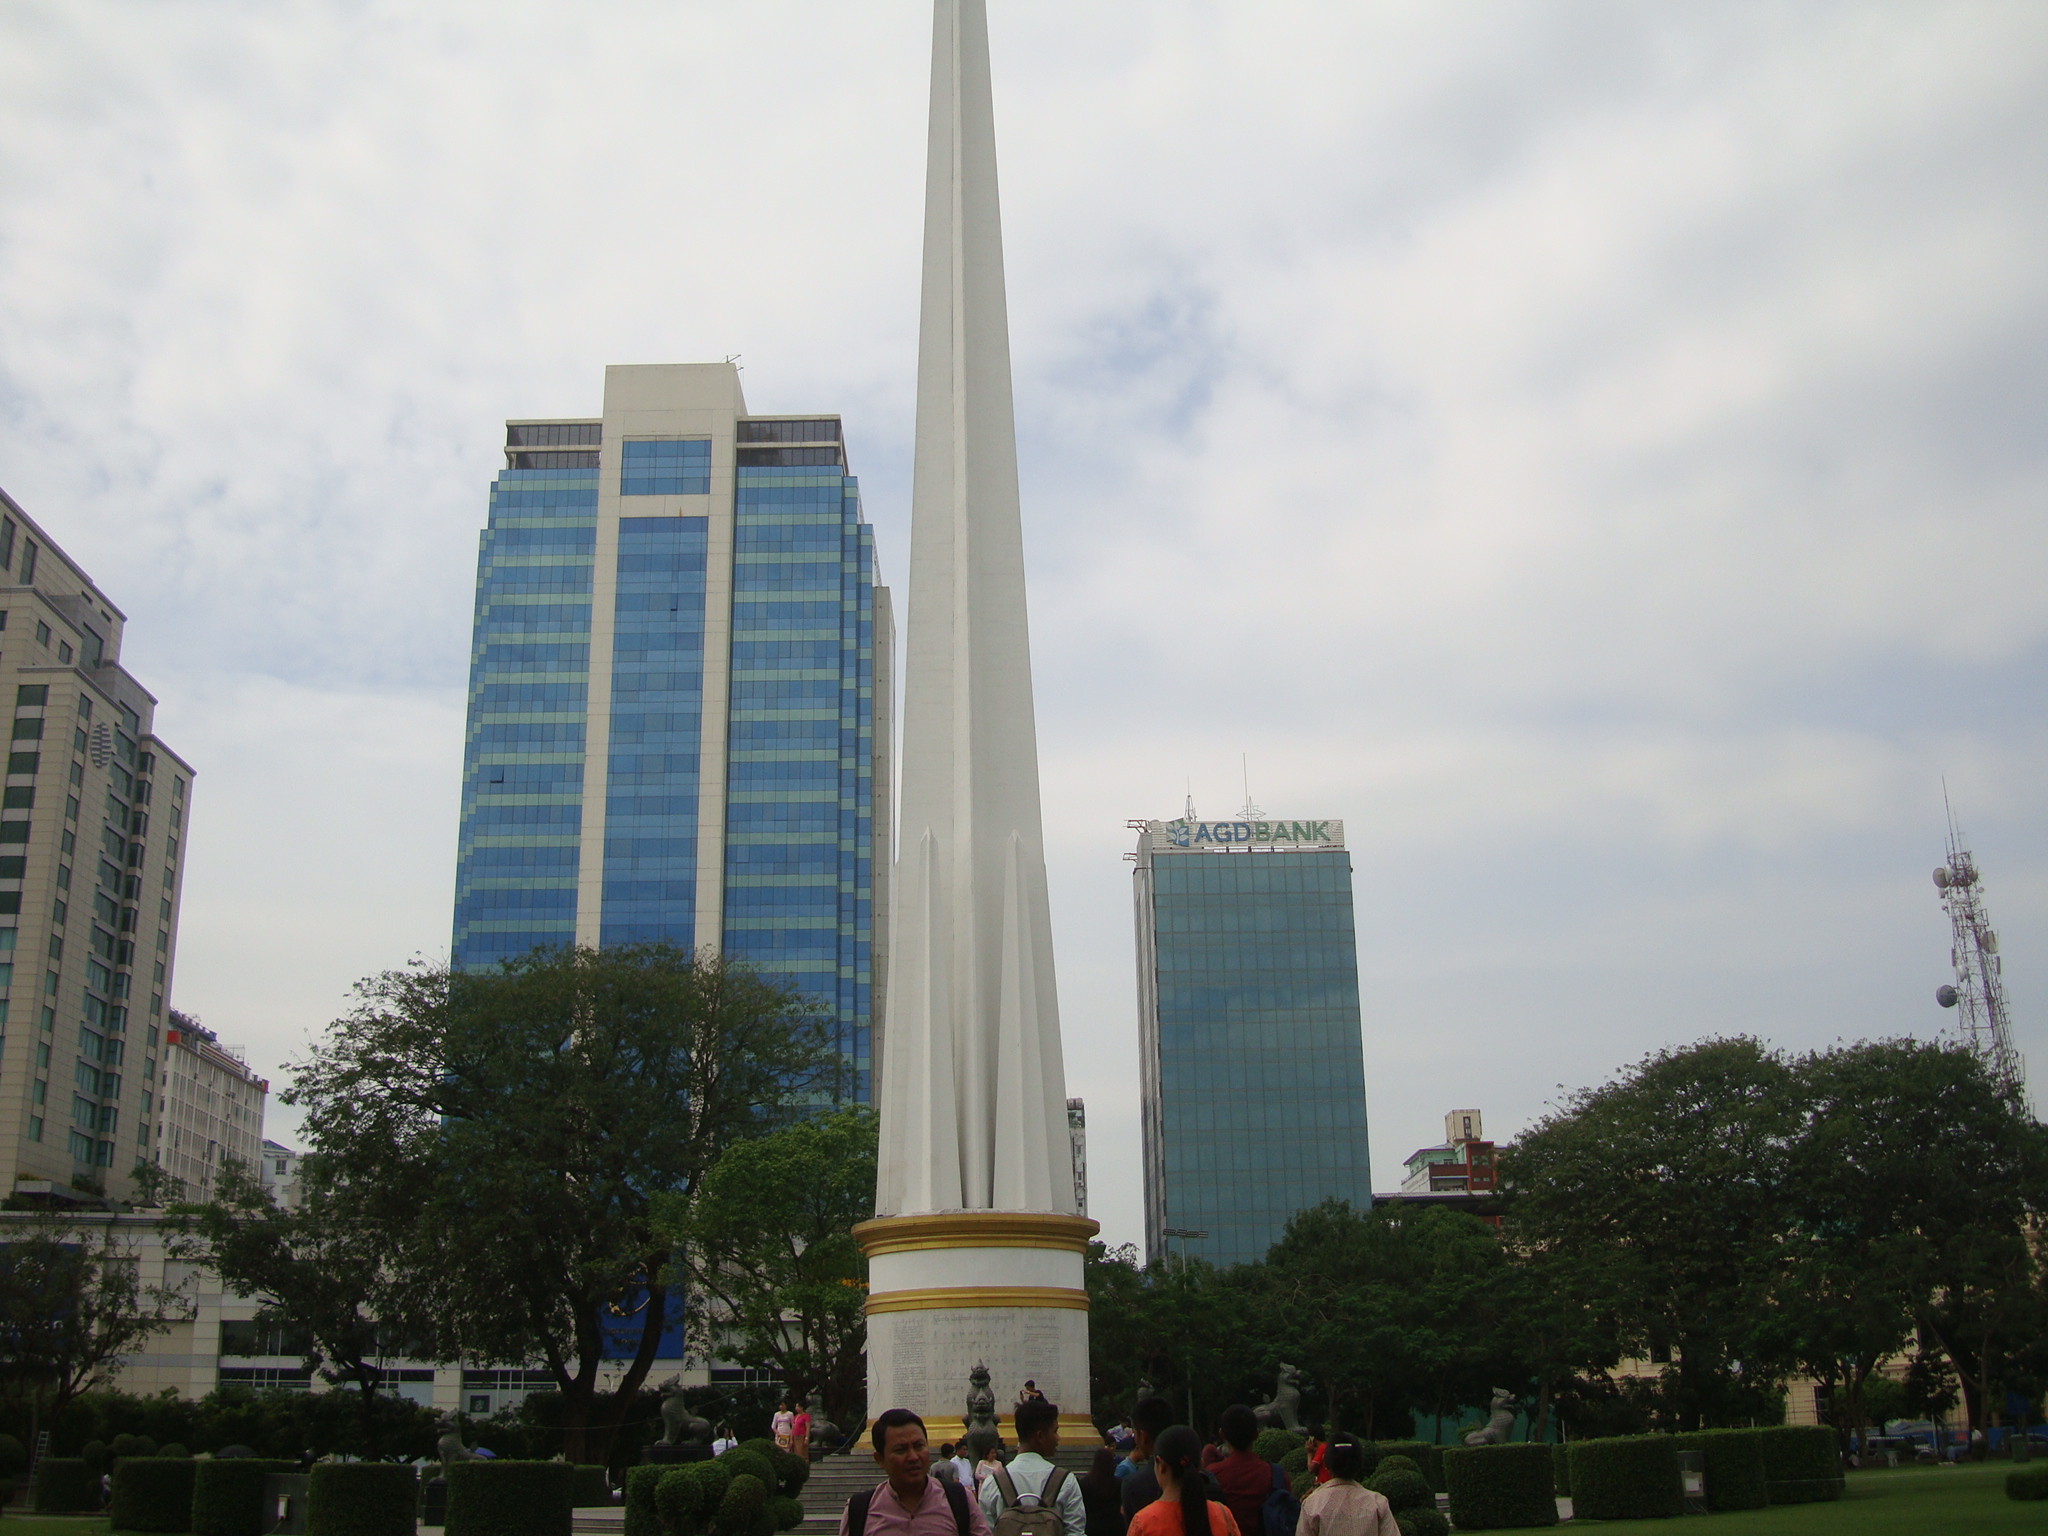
(1891, 1501)
(53, 1525)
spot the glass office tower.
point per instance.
(679, 695)
(1251, 1069)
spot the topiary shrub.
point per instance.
(97, 1456)
(123, 1445)
(1733, 1461)
(144, 1446)
(13, 1457)
(1398, 1463)
(1402, 1489)
(1422, 1522)
(510, 1498)
(1428, 1458)
(153, 1493)
(174, 1449)
(1275, 1444)
(1303, 1483)
(227, 1495)
(1560, 1471)
(64, 1485)
(592, 1486)
(687, 1497)
(1371, 1453)
(1802, 1463)
(1627, 1477)
(642, 1519)
(1493, 1487)
(742, 1462)
(362, 1498)
(786, 1512)
(744, 1509)
(2031, 1483)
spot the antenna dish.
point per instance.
(1946, 996)
(1941, 877)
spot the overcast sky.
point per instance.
(1594, 450)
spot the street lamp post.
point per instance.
(1184, 1234)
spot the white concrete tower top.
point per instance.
(974, 1093)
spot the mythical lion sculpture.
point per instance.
(1284, 1412)
(1500, 1425)
(679, 1426)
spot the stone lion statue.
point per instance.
(1500, 1425)
(679, 1426)
(1284, 1412)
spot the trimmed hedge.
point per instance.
(1430, 1458)
(1493, 1487)
(591, 1486)
(2030, 1484)
(510, 1498)
(227, 1496)
(1403, 1489)
(362, 1498)
(174, 1449)
(1733, 1460)
(1422, 1522)
(1802, 1463)
(1560, 1471)
(686, 1497)
(64, 1485)
(641, 1481)
(786, 1512)
(13, 1457)
(152, 1493)
(1628, 1477)
(1275, 1444)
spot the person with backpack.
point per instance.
(1183, 1507)
(1245, 1480)
(912, 1502)
(1344, 1506)
(1031, 1496)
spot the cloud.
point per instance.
(1594, 451)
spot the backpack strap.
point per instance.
(957, 1497)
(1009, 1489)
(1280, 1483)
(857, 1512)
(1050, 1491)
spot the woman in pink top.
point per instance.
(1342, 1506)
(800, 1432)
(1183, 1507)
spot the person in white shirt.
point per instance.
(964, 1465)
(1038, 1439)
(724, 1442)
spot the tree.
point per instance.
(72, 1307)
(1670, 1183)
(318, 1270)
(506, 1135)
(766, 1240)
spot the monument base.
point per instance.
(948, 1290)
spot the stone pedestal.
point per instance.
(949, 1289)
(688, 1451)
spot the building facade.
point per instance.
(1251, 1068)
(679, 695)
(93, 821)
(279, 1171)
(209, 1108)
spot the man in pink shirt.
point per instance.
(912, 1502)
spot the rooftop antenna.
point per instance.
(1979, 991)
(1189, 815)
(1250, 812)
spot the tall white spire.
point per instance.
(973, 1088)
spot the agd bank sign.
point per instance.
(1247, 834)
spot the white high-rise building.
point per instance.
(210, 1108)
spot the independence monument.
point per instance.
(975, 1254)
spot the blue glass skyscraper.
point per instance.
(1251, 1067)
(679, 695)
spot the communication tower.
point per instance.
(1979, 990)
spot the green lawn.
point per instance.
(1901, 1501)
(53, 1525)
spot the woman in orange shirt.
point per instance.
(1183, 1507)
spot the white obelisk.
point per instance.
(975, 1254)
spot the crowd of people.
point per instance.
(1150, 1477)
